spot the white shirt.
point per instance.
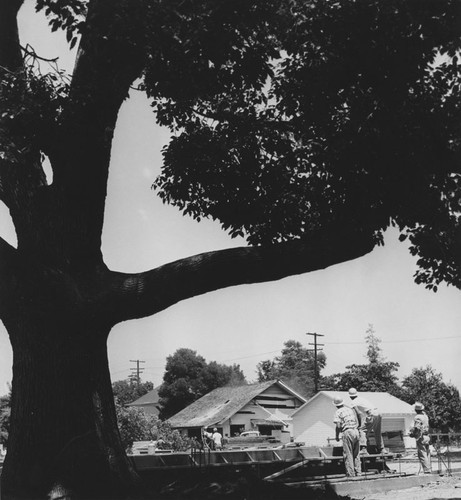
(363, 406)
(345, 418)
(217, 438)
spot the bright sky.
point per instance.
(247, 324)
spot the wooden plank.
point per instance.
(284, 471)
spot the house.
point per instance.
(149, 403)
(313, 422)
(266, 407)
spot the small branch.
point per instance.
(219, 117)
(107, 64)
(31, 52)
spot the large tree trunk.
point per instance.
(64, 441)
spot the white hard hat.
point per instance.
(338, 401)
(352, 392)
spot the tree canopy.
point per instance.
(127, 391)
(307, 127)
(288, 118)
(5, 415)
(441, 400)
(377, 375)
(295, 366)
(188, 377)
(355, 129)
(136, 425)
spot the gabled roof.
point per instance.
(220, 404)
(150, 398)
(385, 402)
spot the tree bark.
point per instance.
(64, 441)
(143, 294)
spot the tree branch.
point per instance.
(144, 294)
(108, 62)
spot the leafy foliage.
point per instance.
(377, 375)
(30, 106)
(127, 391)
(68, 16)
(357, 123)
(380, 377)
(135, 425)
(441, 400)
(5, 412)
(188, 377)
(374, 353)
(292, 117)
(295, 367)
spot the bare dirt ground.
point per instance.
(441, 488)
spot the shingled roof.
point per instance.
(220, 404)
(385, 402)
(149, 398)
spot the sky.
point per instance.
(250, 323)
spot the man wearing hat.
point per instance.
(370, 420)
(346, 423)
(217, 439)
(420, 431)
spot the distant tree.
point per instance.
(376, 375)
(295, 366)
(188, 377)
(441, 399)
(380, 377)
(136, 425)
(126, 391)
(5, 415)
(374, 352)
(266, 370)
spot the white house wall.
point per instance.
(313, 424)
(409, 442)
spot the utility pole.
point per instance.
(316, 349)
(138, 370)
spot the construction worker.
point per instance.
(207, 438)
(217, 439)
(346, 423)
(370, 420)
(420, 431)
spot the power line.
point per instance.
(252, 355)
(397, 341)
